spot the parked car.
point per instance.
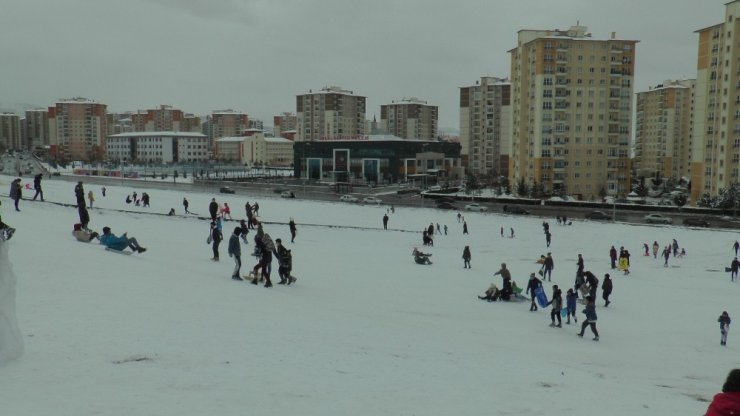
(658, 219)
(515, 209)
(476, 207)
(226, 190)
(348, 198)
(446, 205)
(598, 215)
(287, 194)
(696, 222)
(371, 200)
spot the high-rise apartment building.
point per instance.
(410, 118)
(164, 118)
(77, 129)
(485, 126)
(37, 129)
(228, 123)
(571, 98)
(285, 122)
(715, 147)
(664, 128)
(10, 131)
(330, 113)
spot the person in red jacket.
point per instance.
(727, 402)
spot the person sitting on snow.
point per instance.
(492, 293)
(112, 242)
(421, 258)
(84, 235)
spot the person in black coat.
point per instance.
(385, 221)
(185, 205)
(557, 305)
(80, 195)
(216, 237)
(37, 187)
(606, 288)
(532, 285)
(213, 209)
(547, 267)
(293, 230)
(466, 257)
(593, 284)
(734, 267)
(579, 264)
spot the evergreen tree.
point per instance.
(521, 188)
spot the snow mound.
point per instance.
(11, 341)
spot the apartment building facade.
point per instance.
(572, 102)
(331, 113)
(663, 130)
(409, 118)
(10, 131)
(37, 129)
(227, 123)
(715, 150)
(164, 118)
(77, 130)
(285, 122)
(254, 148)
(485, 126)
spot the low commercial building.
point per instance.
(253, 148)
(377, 159)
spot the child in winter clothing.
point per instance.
(570, 300)
(466, 257)
(606, 287)
(557, 305)
(590, 312)
(727, 402)
(533, 284)
(492, 293)
(724, 327)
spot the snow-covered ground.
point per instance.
(364, 331)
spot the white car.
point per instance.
(371, 200)
(287, 194)
(348, 198)
(476, 207)
(658, 219)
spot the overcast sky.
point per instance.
(257, 55)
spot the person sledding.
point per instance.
(112, 242)
(421, 258)
(492, 293)
(84, 235)
(6, 231)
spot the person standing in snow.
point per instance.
(385, 221)
(293, 229)
(547, 267)
(736, 246)
(557, 305)
(256, 209)
(590, 312)
(570, 300)
(102, 191)
(666, 254)
(235, 252)
(593, 284)
(532, 285)
(647, 249)
(80, 195)
(724, 327)
(675, 248)
(37, 187)
(606, 289)
(506, 276)
(430, 230)
(265, 263)
(727, 402)
(213, 209)
(439, 229)
(465, 227)
(91, 198)
(445, 229)
(459, 216)
(548, 238)
(656, 247)
(16, 192)
(579, 263)
(466, 257)
(613, 257)
(285, 262)
(185, 205)
(215, 238)
(734, 267)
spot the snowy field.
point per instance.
(364, 331)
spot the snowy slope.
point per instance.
(365, 330)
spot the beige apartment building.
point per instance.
(572, 101)
(715, 151)
(330, 114)
(664, 129)
(228, 123)
(10, 131)
(37, 129)
(285, 122)
(485, 126)
(77, 130)
(409, 118)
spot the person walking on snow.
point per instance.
(215, 237)
(235, 252)
(666, 254)
(579, 263)
(445, 229)
(591, 317)
(213, 209)
(439, 229)
(547, 267)
(466, 257)
(465, 227)
(724, 327)
(293, 229)
(675, 248)
(512, 233)
(532, 285)
(557, 305)
(37, 187)
(613, 257)
(16, 192)
(185, 205)
(606, 288)
(385, 221)
(570, 300)
(647, 249)
(736, 246)
(734, 267)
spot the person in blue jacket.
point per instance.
(590, 312)
(110, 240)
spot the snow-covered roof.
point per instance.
(158, 134)
(235, 139)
